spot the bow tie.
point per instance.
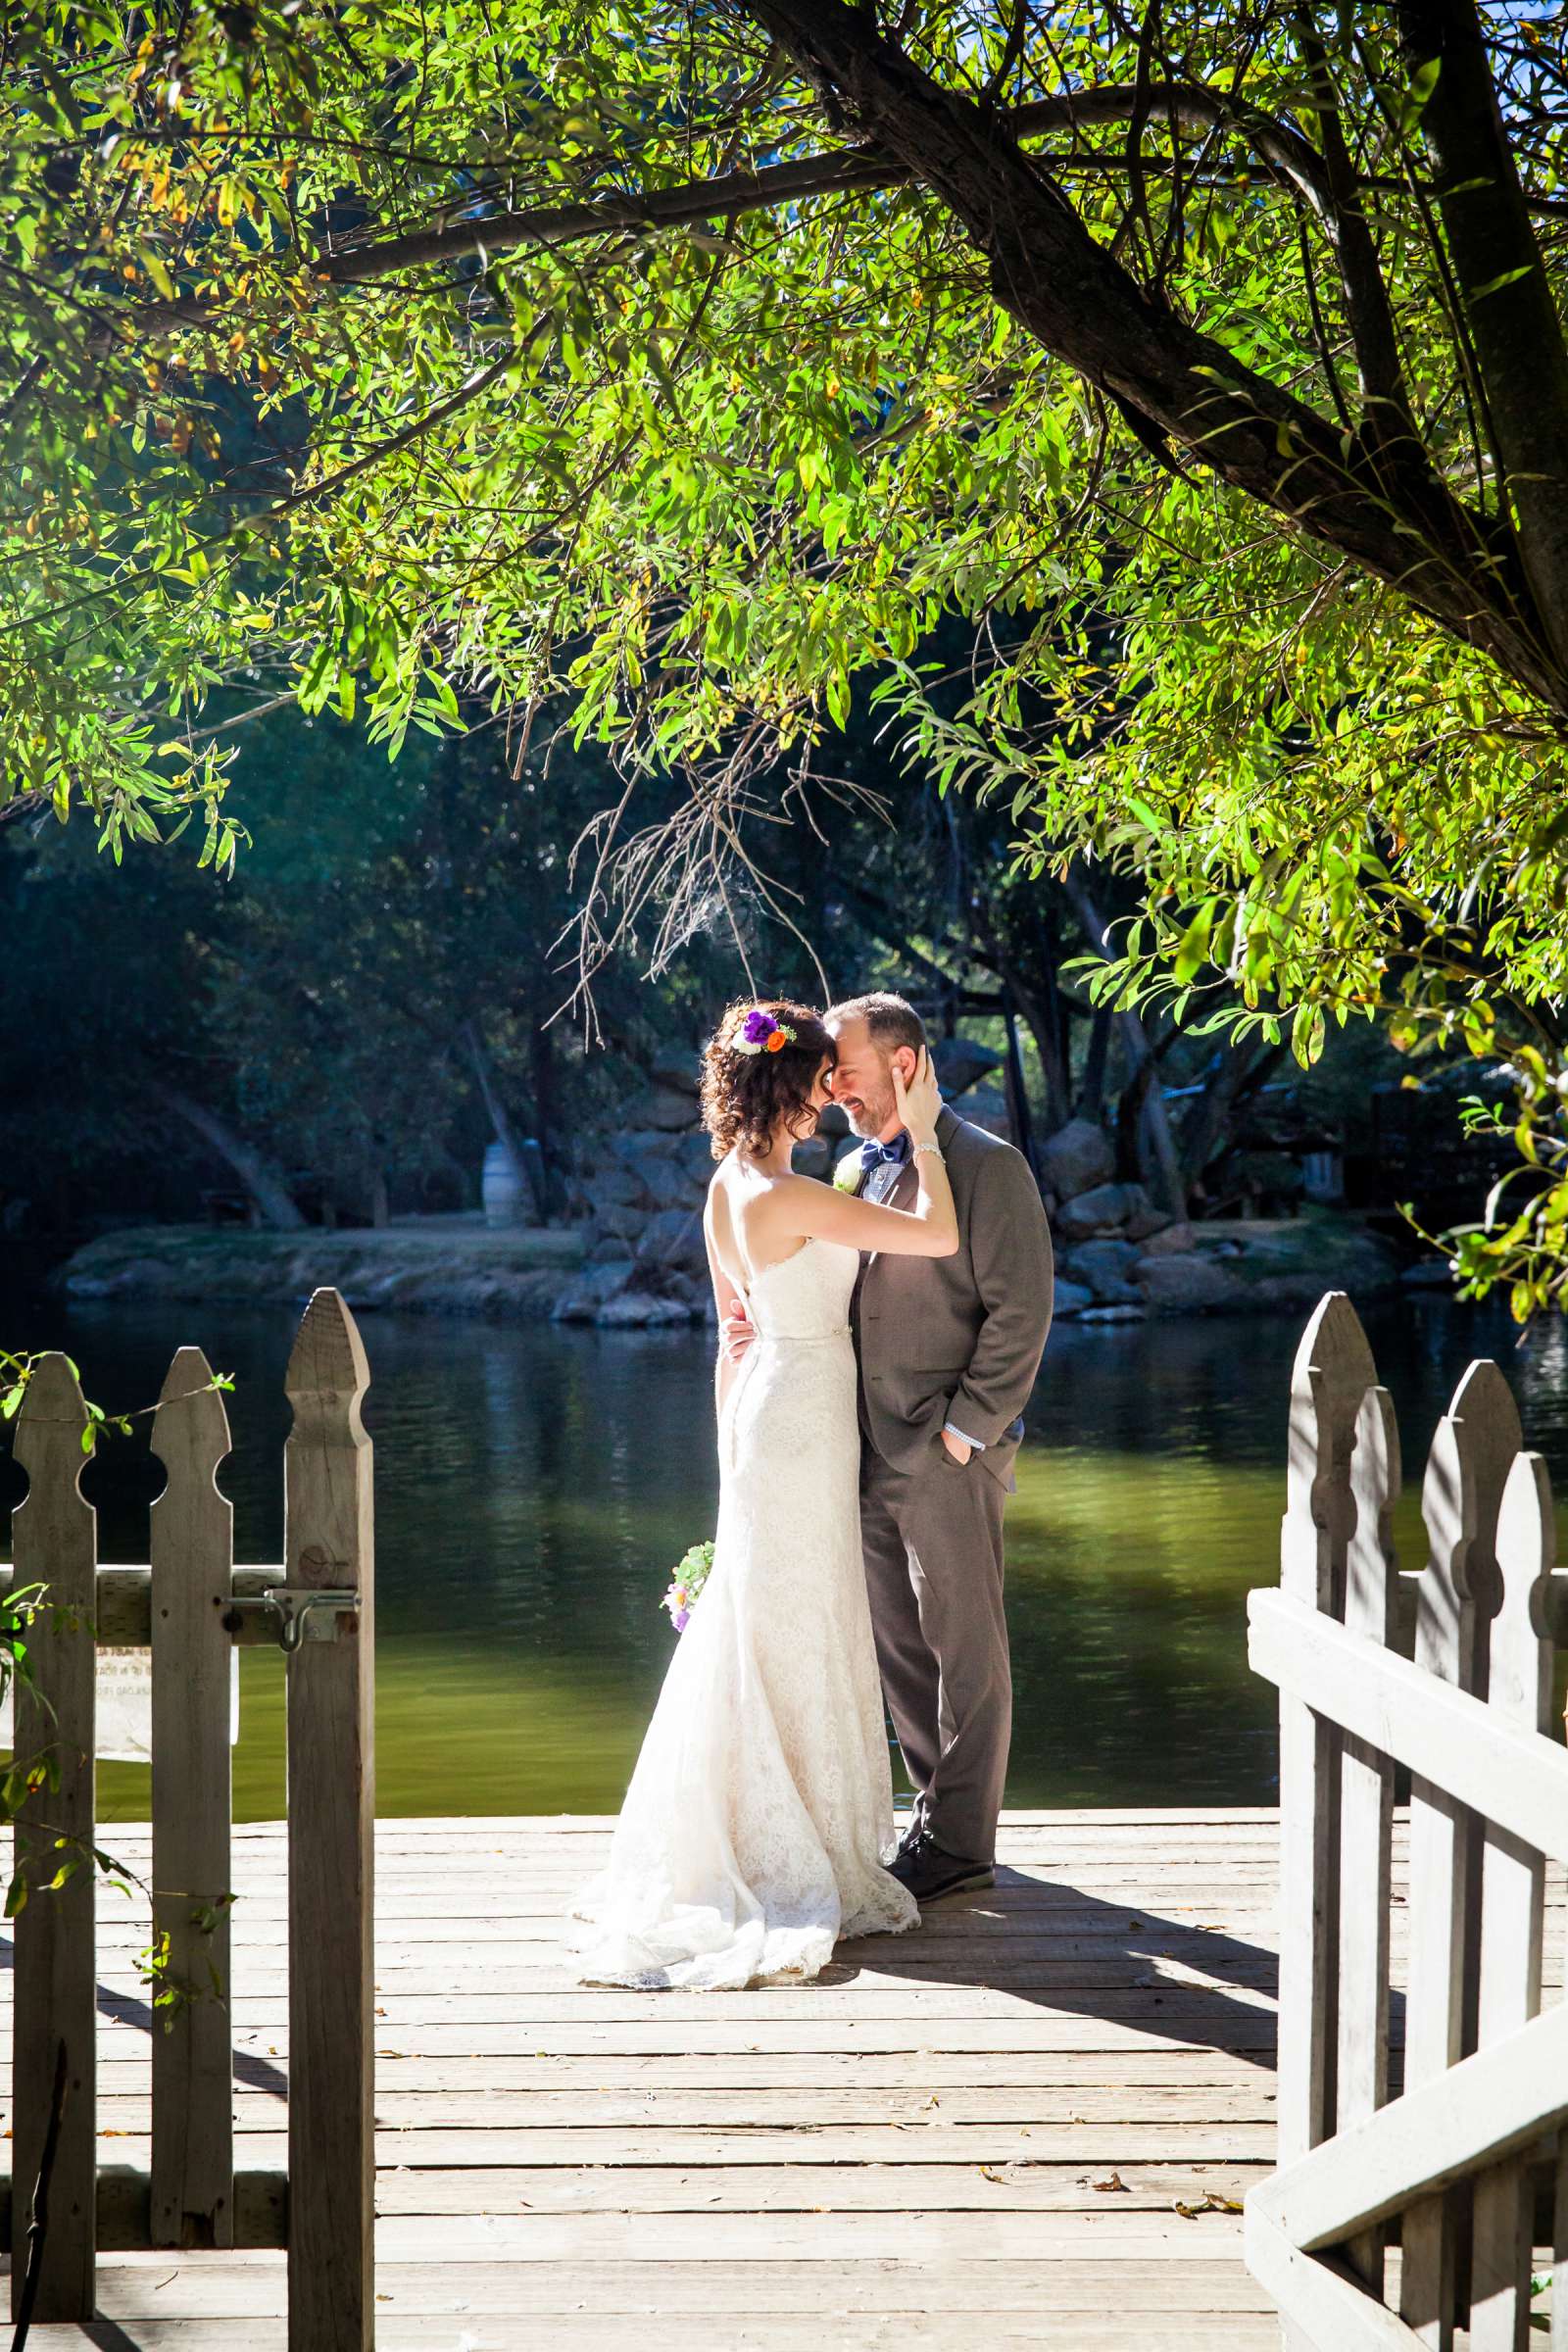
(876, 1156)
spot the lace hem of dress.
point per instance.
(736, 1961)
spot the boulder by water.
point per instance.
(1076, 1157)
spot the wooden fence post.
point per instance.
(54, 1540)
(331, 1810)
(1332, 1373)
(191, 1554)
(1512, 1901)
(1366, 1804)
(1456, 1592)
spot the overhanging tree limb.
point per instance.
(1085, 308)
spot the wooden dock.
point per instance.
(1030, 2120)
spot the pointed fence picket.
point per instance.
(53, 1544)
(190, 1605)
(1475, 2147)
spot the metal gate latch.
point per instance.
(304, 1612)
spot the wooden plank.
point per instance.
(1472, 1453)
(1366, 1806)
(1024, 2033)
(54, 1545)
(143, 2291)
(331, 1783)
(1138, 1981)
(1512, 1775)
(628, 2151)
(694, 2113)
(191, 1566)
(972, 2238)
(578, 2332)
(1003, 2186)
(1512, 1886)
(1151, 2079)
(460, 1943)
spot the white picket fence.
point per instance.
(190, 1605)
(1447, 1671)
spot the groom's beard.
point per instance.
(867, 1119)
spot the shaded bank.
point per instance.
(587, 1274)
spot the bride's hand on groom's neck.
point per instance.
(919, 1098)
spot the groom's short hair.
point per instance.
(891, 1020)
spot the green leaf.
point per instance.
(1493, 285)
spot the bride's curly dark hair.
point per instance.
(745, 1096)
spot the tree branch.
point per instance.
(1078, 302)
(359, 260)
(1366, 299)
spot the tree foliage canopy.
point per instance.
(675, 364)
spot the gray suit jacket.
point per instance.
(958, 1337)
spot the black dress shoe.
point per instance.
(915, 1831)
(929, 1871)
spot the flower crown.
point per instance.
(759, 1033)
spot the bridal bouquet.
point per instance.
(689, 1576)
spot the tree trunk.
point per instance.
(1017, 1095)
(263, 1182)
(1233, 1077)
(1512, 317)
(1092, 1092)
(1143, 1095)
(1143, 1106)
(506, 1134)
(541, 1060)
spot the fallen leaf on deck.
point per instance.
(1112, 2181)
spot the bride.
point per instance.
(760, 1810)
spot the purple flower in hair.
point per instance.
(760, 1025)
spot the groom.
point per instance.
(949, 1348)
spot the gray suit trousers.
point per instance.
(933, 1566)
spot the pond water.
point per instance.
(534, 1485)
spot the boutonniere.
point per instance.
(847, 1175)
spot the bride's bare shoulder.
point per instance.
(779, 1206)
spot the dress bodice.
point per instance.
(806, 1297)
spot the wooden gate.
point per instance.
(1446, 1671)
(191, 1605)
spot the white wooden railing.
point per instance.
(189, 1605)
(1447, 1671)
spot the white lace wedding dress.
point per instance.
(760, 1810)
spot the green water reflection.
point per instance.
(533, 1486)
